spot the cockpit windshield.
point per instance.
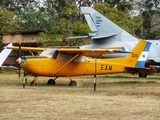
(52, 53)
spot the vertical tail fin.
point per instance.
(138, 55)
(101, 27)
(4, 54)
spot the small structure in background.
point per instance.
(29, 38)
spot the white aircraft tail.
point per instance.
(4, 54)
(101, 27)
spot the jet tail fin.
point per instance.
(101, 27)
(138, 56)
(4, 54)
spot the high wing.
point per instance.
(26, 48)
(41, 49)
(82, 51)
(91, 52)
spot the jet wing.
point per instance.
(4, 54)
(9, 67)
(91, 52)
(155, 59)
(26, 48)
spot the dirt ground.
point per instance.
(115, 98)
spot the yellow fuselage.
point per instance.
(57, 67)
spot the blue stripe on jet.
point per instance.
(98, 24)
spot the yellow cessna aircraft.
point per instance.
(65, 62)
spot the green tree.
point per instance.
(18, 5)
(49, 36)
(150, 9)
(32, 19)
(67, 24)
(8, 21)
(121, 18)
(121, 5)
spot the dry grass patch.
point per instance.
(114, 99)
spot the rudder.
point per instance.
(139, 54)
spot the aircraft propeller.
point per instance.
(19, 62)
(19, 59)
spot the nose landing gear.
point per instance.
(34, 82)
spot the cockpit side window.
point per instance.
(79, 59)
(65, 57)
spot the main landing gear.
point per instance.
(53, 82)
(72, 83)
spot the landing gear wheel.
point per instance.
(142, 75)
(33, 84)
(73, 83)
(51, 82)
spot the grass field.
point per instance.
(118, 97)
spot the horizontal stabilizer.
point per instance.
(100, 37)
(75, 37)
(144, 71)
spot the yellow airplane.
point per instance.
(65, 62)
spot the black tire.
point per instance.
(73, 83)
(51, 82)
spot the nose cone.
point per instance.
(20, 60)
(33, 65)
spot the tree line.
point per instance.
(141, 18)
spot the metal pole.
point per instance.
(24, 80)
(95, 80)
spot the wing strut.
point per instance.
(67, 63)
